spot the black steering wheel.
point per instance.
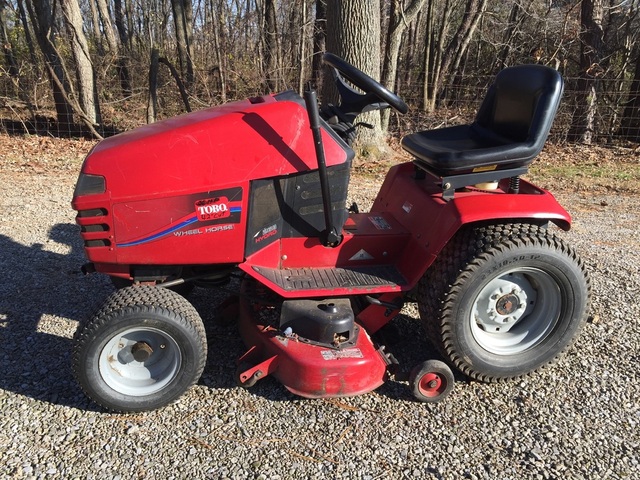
(365, 83)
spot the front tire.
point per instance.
(183, 289)
(141, 351)
(502, 301)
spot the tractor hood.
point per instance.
(212, 148)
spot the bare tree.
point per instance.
(107, 26)
(83, 66)
(183, 19)
(270, 42)
(630, 128)
(152, 101)
(27, 32)
(123, 69)
(42, 14)
(302, 46)
(591, 49)
(446, 65)
(353, 33)
(400, 19)
(221, 67)
(515, 18)
(319, 40)
(7, 48)
(434, 52)
(119, 16)
(95, 27)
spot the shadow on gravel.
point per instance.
(224, 347)
(44, 295)
(37, 281)
(404, 337)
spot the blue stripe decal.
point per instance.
(161, 234)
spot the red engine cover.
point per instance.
(177, 190)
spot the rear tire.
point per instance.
(502, 301)
(141, 351)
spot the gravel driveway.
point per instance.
(576, 420)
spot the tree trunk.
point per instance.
(181, 87)
(400, 20)
(583, 123)
(27, 33)
(220, 56)
(412, 41)
(630, 128)
(508, 35)
(353, 33)
(128, 18)
(434, 54)
(460, 42)
(120, 23)
(302, 49)
(291, 37)
(123, 69)
(152, 100)
(319, 40)
(427, 59)
(182, 14)
(270, 41)
(41, 14)
(85, 76)
(7, 48)
(95, 24)
(107, 27)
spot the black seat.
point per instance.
(509, 131)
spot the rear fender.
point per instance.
(418, 205)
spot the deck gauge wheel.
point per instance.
(431, 381)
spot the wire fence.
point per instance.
(27, 107)
(613, 122)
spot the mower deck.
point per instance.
(306, 368)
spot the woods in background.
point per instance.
(107, 65)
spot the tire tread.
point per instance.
(138, 300)
(457, 263)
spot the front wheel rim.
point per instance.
(515, 311)
(140, 361)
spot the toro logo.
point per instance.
(212, 208)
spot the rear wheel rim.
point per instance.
(140, 361)
(515, 311)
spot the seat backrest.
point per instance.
(521, 104)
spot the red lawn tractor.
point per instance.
(257, 190)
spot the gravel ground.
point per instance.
(576, 420)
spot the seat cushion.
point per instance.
(466, 149)
(510, 128)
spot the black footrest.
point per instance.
(329, 278)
